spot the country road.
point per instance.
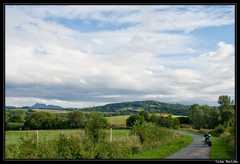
(196, 150)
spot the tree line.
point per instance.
(204, 116)
(19, 120)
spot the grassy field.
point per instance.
(219, 149)
(165, 149)
(52, 110)
(13, 137)
(118, 121)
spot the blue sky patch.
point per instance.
(90, 25)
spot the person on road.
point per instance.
(207, 137)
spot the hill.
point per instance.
(135, 106)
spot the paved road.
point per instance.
(196, 150)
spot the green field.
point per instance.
(118, 121)
(52, 110)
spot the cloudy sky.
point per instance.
(77, 56)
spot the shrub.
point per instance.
(150, 135)
(218, 131)
(94, 127)
(184, 120)
(12, 151)
(133, 119)
(28, 148)
(113, 150)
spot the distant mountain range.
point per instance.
(122, 108)
(37, 106)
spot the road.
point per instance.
(196, 150)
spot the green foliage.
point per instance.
(12, 151)
(14, 126)
(225, 101)
(48, 120)
(133, 119)
(28, 148)
(168, 122)
(226, 110)
(149, 134)
(76, 119)
(16, 116)
(203, 116)
(184, 120)
(222, 148)
(145, 115)
(68, 147)
(163, 150)
(95, 123)
(218, 130)
(114, 150)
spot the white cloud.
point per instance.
(107, 66)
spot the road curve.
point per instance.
(196, 150)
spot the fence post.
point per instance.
(37, 137)
(111, 134)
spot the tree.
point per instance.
(225, 101)
(145, 115)
(133, 119)
(76, 119)
(40, 120)
(196, 116)
(154, 118)
(17, 116)
(94, 125)
(226, 109)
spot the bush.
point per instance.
(74, 147)
(133, 119)
(113, 150)
(168, 122)
(150, 135)
(12, 151)
(94, 127)
(218, 130)
(184, 120)
(28, 148)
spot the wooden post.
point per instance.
(37, 137)
(111, 134)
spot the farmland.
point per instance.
(118, 121)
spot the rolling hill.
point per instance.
(135, 106)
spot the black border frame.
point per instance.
(124, 3)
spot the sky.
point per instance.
(81, 56)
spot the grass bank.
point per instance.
(164, 149)
(220, 149)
